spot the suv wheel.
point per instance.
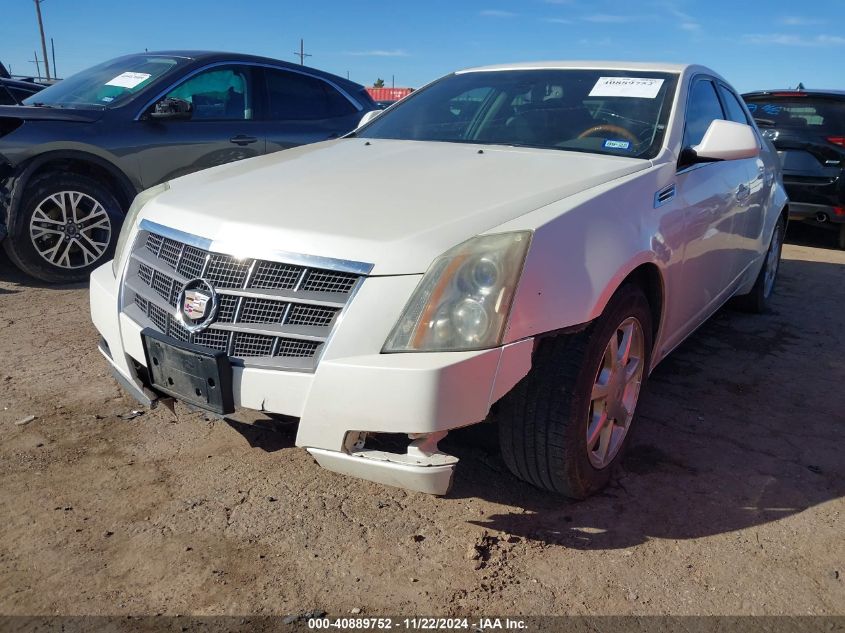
(565, 426)
(66, 226)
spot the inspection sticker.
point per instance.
(626, 87)
(128, 80)
(617, 144)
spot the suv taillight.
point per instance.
(837, 140)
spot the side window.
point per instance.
(296, 97)
(468, 103)
(703, 108)
(218, 94)
(735, 111)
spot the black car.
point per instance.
(13, 91)
(74, 156)
(808, 129)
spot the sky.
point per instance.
(755, 45)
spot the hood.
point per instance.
(394, 204)
(35, 113)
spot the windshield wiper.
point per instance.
(39, 104)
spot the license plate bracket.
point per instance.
(193, 374)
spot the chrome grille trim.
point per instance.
(272, 313)
(221, 246)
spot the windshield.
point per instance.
(108, 84)
(813, 114)
(623, 113)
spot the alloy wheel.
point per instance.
(772, 261)
(70, 229)
(615, 392)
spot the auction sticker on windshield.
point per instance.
(128, 79)
(626, 87)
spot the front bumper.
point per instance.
(353, 391)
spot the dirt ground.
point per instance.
(730, 500)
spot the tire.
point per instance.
(66, 225)
(543, 422)
(758, 300)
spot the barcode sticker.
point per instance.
(128, 80)
(626, 87)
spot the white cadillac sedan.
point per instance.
(520, 244)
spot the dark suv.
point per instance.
(13, 92)
(74, 156)
(808, 129)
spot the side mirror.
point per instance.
(172, 110)
(727, 140)
(372, 114)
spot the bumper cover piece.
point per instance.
(141, 394)
(433, 478)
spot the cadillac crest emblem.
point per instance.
(197, 305)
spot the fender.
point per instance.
(20, 177)
(645, 257)
(582, 256)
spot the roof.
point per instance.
(785, 91)
(602, 65)
(213, 56)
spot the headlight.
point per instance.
(463, 301)
(129, 221)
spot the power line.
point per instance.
(302, 54)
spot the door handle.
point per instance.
(243, 139)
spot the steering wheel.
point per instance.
(612, 129)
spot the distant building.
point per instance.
(389, 94)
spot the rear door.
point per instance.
(299, 108)
(761, 170)
(222, 128)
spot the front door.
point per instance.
(714, 194)
(222, 128)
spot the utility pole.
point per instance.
(302, 54)
(43, 41)
(53, 47)
(37, 65)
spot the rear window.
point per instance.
(825, 116)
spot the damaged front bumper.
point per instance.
(348, 397)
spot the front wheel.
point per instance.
(67, 225)
(565, 426)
